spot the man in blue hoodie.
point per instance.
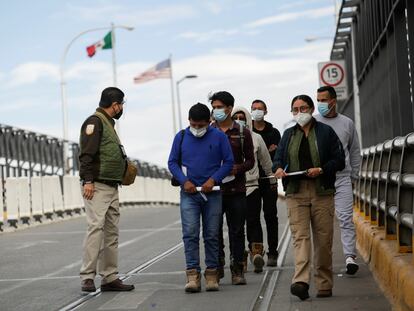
(200, 156)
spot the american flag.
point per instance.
(161, 70)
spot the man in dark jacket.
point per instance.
(308, 157)
(234, 186)
(268, 192)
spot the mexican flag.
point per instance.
(104, 44)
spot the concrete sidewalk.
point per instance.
(358, 292)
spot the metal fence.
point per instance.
(384, 56)
(25, 153)
(385, 189)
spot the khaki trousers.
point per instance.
(100, 247)
(308, 210)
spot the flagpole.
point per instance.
(172, 98)
(63, 91)
(114, 76)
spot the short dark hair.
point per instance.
(110, 95)
(260, 102)
(199, 112)
(330, 89)
(225, 97)
(305, 98)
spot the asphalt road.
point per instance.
(39, 270)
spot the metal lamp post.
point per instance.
(63, 82)
(178, 98)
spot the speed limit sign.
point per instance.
(333, 74)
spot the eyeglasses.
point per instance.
(295, 110)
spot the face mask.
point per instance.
(324, 109)
(198, 132)
(303, 118)
(219, 115)
(241, 122)
(118, 115)
(258, 115)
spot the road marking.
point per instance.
(262, 303)
(79, 262)
(35, 243)
(80, 302)
(84, 231)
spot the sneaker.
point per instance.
(300, 289)
(351, 265)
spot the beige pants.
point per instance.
(308, 210)
(100, 247)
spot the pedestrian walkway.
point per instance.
(358, 292)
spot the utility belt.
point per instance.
(110, 183)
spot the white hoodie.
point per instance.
(261, 155)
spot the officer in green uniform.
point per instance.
(102, 167)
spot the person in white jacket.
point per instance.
(253, 225)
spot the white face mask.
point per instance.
(198, 132)
(258, 115)
(302, 118)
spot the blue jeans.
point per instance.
(192, 206)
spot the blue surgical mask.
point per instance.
(241, 122)
(219, 115)
(324, 109)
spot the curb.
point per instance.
(393, 271)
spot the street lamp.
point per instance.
(178, 98)
(63, 84)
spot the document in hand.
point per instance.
(296, 173)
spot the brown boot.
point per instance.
(116, 286)
(237, 274)
(211, 280)
(257, 254)
(193, 281)
(88, 285)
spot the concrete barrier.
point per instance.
(37, 198)
(40, 197)
(394, 271)
(12, 200)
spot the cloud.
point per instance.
(209, 35)
(133, 17)
(291, 16)
(214, 7)
(31, 72)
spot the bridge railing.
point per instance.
(47, 198)
(33, 188)
(384, 193)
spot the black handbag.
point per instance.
(174, 181)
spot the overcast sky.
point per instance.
(253, 49)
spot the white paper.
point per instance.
(215, 188)
(296, 173)
(228, 179)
